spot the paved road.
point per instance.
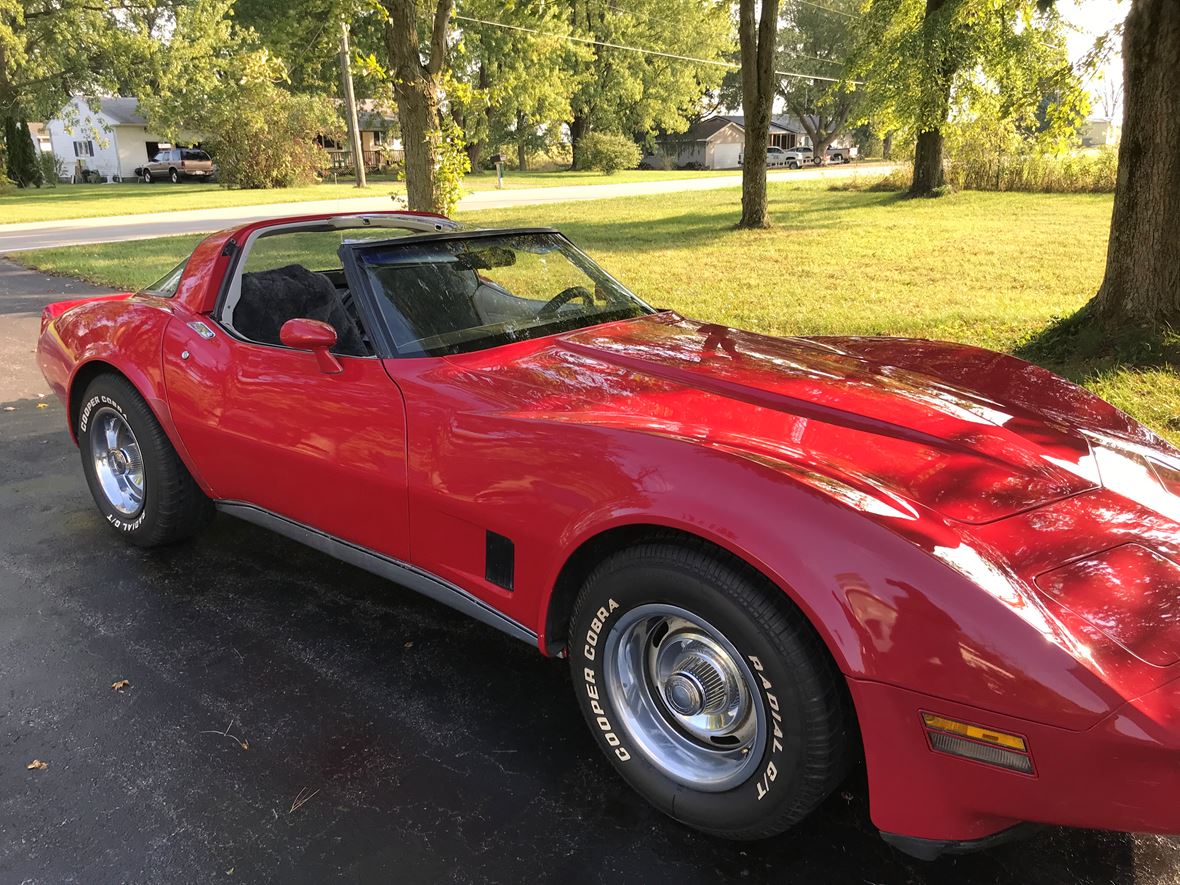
(43, 234)
(428, 747)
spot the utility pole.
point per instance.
(354, 132)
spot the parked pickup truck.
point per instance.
(800, 156)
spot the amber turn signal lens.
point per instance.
(975, 732)
(975, 742)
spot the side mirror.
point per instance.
(316, 336)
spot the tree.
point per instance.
(21, 162)
(1141, 288)
(630, 92)
(417, 87)
(922, 59)
(818, 39)
(514, 86)
(756, 38)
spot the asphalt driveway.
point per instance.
(291, 719)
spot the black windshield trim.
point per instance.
(352, 253)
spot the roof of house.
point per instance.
(701, 130)
(778, 123)
(120, 110)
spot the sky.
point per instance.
(1088, 20)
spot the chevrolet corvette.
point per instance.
(766, 559)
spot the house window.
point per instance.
(84, 148)
(378, 137)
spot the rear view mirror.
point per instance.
(486, 259)
(313, 335)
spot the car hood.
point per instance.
(973, 435)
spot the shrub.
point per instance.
(608, 152)
(264, 136)
(987, 169)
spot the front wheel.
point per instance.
(708, 690)
(174, 176)
(139, 483)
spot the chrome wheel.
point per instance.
(118, 462)
(685, 697)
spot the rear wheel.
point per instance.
(174, 176)
(708, 690)
(138, 481)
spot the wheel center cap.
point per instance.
(684, 694)
(118, 461)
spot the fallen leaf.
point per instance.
(42, 405)
(10, 408)
(245, 745)
(409, 644)
(120, 684)
(37, 765)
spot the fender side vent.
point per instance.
(500, 564)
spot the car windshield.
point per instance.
(456, 294)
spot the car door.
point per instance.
(266, 426)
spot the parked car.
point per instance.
(178, 163)
(776, 156)
(761, 556)
(839, 155)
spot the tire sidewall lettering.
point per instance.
(599, 714)
(95, 402)
(769, 772)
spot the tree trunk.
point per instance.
(417, 111)
(416, 91)
(887, 146)
(757, 39)
(522, 149)
(1142, 283)
(579, 126)
(928, 171)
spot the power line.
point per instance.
(733, 66)
(827, 8)
(646, 17)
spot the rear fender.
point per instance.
(126, 336)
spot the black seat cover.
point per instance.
(271, 297)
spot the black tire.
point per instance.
(805, 753)
(173, 506)
(147, 176)
(174, 176)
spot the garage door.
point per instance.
(725, 156)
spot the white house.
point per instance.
(103, 135)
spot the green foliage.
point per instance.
(984, 155)
(263, 136)
(513, 87)
(628, 92)
(53, 167)
(1000, 61)
(216, 82)
(608, 152)
(453, 164)
(20, 154)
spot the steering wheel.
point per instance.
(564, 297)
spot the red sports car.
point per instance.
(763, 557)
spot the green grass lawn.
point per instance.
(95, 200)
(986, 268)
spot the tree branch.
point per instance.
(438, 37)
